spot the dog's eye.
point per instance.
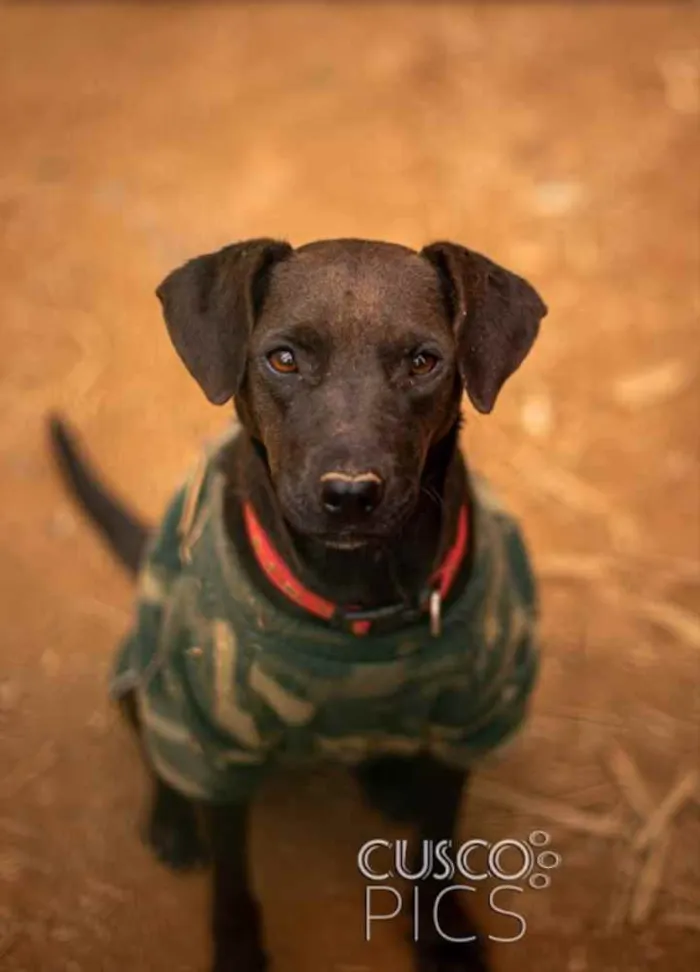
(422, 363)
(282, 361)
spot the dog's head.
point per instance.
(346, 360)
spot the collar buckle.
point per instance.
(378, 618)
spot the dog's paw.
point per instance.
(176, 849)
(444, 956)
(437, 951)
(172, 833)
(240, 965)
(244, 958)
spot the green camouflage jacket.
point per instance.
(228, 685)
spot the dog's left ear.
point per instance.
(495, 314)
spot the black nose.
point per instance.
(351, 497)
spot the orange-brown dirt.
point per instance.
(560, 140)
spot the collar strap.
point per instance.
(358, 622)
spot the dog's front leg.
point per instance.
(447, 939)
(236, 924)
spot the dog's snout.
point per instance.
(351, 497)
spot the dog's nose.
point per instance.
(351, 496)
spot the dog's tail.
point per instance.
(124, 531)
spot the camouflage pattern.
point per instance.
(228, 685)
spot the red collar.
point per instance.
(277, 572)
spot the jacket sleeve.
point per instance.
(159, 570)
(175, 674)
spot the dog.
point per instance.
(332, 581)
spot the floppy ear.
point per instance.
(209, 306)
(495, 314)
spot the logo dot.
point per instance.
(539, 838)
(538, 882)
(549, 860)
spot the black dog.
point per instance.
(358, 543)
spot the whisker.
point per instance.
(433, 495)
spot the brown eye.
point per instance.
(423, 363)
(282, 361)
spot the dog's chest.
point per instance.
(228, 683)
(310, 690)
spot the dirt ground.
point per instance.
(560, 140)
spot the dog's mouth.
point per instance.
(345, 539)
(355, 538)
(368, 534)
(349, 539)
(338, 543)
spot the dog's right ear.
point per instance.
(210, 305)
